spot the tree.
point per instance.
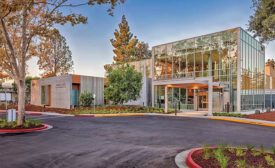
(142, 51)
(271, 63)
(262, 23)
(56, 58)
(126, 46)
(23, 23)
(124, 84)
(124, 42)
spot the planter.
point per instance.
(235, 156)
(189, 161)
(25, 130)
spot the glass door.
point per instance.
(202, 101)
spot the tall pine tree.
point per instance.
(124, 43)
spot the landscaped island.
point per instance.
(28, 126)
(231, 157)
(4, 124)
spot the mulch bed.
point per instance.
(251, 160)
(34, 108)
(21, 127)
(268, 116)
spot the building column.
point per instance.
(166, 99)
(222, 100)
(195, 99)
(210, 96)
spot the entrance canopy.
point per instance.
(195, 84)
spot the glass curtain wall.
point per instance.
(252, 71)
(177, 98)
(209, 55)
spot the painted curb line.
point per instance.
(181, 157)
(84, 115)
(245, 121)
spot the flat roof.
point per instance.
(236, 28)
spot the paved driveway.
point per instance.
(124, 142)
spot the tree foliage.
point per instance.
(56, 58)
(23, 25)
(271, 63)
(126, 46)
(262, 23)
(124, 84)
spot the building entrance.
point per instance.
(202, 101)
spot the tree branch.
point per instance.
(13, 59)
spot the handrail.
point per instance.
(194, 74)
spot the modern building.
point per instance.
(269, 85)
(222, 71)
(63, 91)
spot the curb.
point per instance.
(84, 115)
(184, 159)
(244, 121)
(26, 130)
(189, 161)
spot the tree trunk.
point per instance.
(21, 102)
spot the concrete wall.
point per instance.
(59, 94)
(93, 85)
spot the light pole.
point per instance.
(94, 96)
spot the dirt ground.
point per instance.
(34, 108)
(269, 116)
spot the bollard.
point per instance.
(11, 115)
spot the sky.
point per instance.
(152, 21)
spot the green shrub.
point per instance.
(221, 158)
(250, 147)
(232, 150)
(269, 160)
(255, 153)
(262, 149)
(229, 114)
(206, 152)
(222, 146)
(240, 152)
(86, 99)
(240, 163)
(27, 124)
(273, 149)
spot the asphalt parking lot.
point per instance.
(123, 142)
